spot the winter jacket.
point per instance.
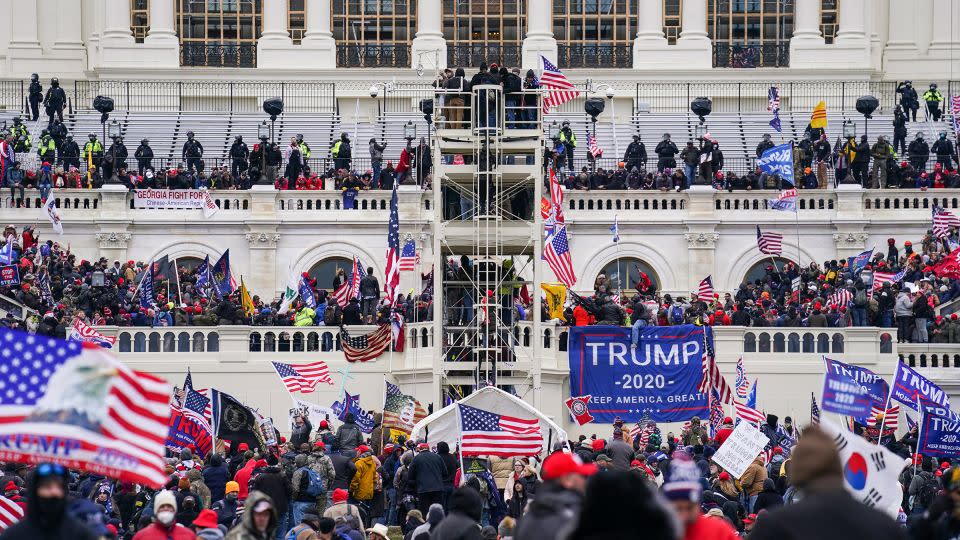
(621, 453)
(463, 520)
(369, 287)
(827, 515)
(243, 477)
(301, 434)
(502, 469)
(226, 511)
(753, 478)
(157, 531)
(426, 473)
(349, 437)
(245, 530)
(364, 480)
(344, 468)
(768, 499)
(343, 509)
(215, 477)
(275, 484)
(550, 511)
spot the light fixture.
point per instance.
(263, 130)
(699, 130)
(849, 129)
(409, 131)
(113, 129)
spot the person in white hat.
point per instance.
(378, 532)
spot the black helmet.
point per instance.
(189, 134)
(69, 137)
(666, 135)
(17, 120)
(92, 136)
(239, 138)
(299, 137)
(54, 82)
(144, 141)
(933, 86)
(34, 77)
(566, 123)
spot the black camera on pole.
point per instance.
(702, 107)
(593, 107)
(273, 107)
(103, 105)
(866, 105)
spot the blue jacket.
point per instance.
(215, 476)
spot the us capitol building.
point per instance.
(365, 67)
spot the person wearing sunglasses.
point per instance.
(46, 517)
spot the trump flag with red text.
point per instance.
(77, 405)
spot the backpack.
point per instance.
(928, 491)
(676, 314)
(315, 486)
(860, 298)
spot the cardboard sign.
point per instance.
(740, 449)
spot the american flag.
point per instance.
(351, 287)
(10, 512)
(716, 412)
(742, 383)
(705, 290)
(943, 220)
(56, 392)
(205, 392)
(641, 429)
(773, 105)
(769, 243)
(400, 411)
(365, 347)
(748, 414)
(814, 410)
(82, 331)
(485, 433)
(911, 423)
(891, 419)
(841, 298)
(593, 146)
(303, 377)
(557, 255)
(955, 100)
(181, 399)
(711, 376)
(557, 89)
(409, 257)
(879, 278)
(392, 276)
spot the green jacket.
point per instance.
(304, 317)
(93, 146)
(932, 95)
(570, 141)
(335, 149)
(47, 145)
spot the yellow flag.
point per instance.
(245, 299)
(819, 117)
(556, 295)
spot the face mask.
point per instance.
(231, 496)
(166, 517)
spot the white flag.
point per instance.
(870, 472)
(50, 210)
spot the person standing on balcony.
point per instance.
(821, 153)
(666, 151)
(919, 152)
(569, 141)
(945, 151)
(933, 98)
(899, 130)
(294, 163)
(908, 99)
(36, 96)
(239, 156)
(512, 88)
(70, 154)
(47, 149)
(376, 160)
(456, 103)
(370, 293)
(55, 101)
(691, 159)
(636, 155)
(341, 152)
(144, 155)
(93, 150)
(193, 154)
(881, 154)
(860, 161)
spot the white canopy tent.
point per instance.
(444, 425)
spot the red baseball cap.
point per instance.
(561, 464)
(243, 447)
(752, 518)
(206, 520)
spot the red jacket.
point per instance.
(722, 435)
(708, 528)
(157, 531)
(243, 478)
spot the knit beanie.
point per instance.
(165, 497)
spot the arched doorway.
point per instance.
(759, 269)
(325, 270)
(624, 273)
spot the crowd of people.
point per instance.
(326, 483)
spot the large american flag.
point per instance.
(593, 146)
(557, 89)
(879, 278)
(716, 412)
(710, 376)
(10, 512)
(841, 298)
(814, 410)
(77, 404)
(705, 289)
(742, 383)
(82, 331)
(769, 243)
(557, 254)
(392, 278)
(351, 287)
(484, 433)
(943, 220)
(365, 347)
(748, 414)
(303, 377)
(409, 257)
(205, 392)
(891, 419)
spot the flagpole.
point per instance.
(886, 405)
(176, 273)
(383, 414)
(460, 442)
(919, 433)
(135, 291)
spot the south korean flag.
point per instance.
(870, 472)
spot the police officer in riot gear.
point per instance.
(193, 154)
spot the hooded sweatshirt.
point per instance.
(47, 519)
(463, 521)
(245, 530)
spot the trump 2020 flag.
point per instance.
(841, 393)
(306, 293)
(909, 386)
(939, 435)
(351, 405)
(75, 404)
(778, 160)
(870, 472)
(82, 331)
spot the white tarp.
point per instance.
(443, 425)
(740, 449)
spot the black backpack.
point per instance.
(928, 492)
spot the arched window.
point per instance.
(325, 270)
(759, 269)
(629, 268)
(190, 263)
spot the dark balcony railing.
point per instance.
(467, 56)
(582, 55)
(241, 55)
(727, 55)
(374, 56)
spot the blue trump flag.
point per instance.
(661, 375)
(909, 386)
(858, 263)
(940, 435)
(351, 404)
(221, 274)
(306, 293)
(778, 160)
(842, 394)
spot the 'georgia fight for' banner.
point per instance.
(660, 376)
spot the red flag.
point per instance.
(578, 408)
(950, 266)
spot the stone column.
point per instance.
(68, 26)
(902, 26)
(539, 39)
(945, 34)
(852, 18)
(429, 46)
(694, 48)
(24, 27)
(806, 22)
(161, 22)
(318, 38)
(650, 22)
(275, 23)
(117, 22)
(694, 20)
